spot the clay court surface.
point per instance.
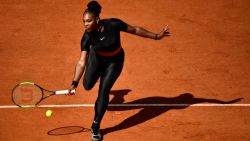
(205, 61)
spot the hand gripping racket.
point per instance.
(29, 94)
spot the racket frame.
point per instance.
(42, 92)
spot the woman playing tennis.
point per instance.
(102, 56)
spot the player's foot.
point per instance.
(96, 135)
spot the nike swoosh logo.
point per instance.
(102, 38)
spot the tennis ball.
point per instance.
(49, 113)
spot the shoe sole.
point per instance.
(99, 135)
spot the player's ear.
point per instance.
(97, 19)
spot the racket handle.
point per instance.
(64, 91)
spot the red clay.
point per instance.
(206, 57)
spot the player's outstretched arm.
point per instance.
(136, 30)
(79, 70)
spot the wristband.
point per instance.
(75, 83)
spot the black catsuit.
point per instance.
(106, 68)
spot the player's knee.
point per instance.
(87, 86)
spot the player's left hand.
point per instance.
(164, 32)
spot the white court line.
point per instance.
(136, 105)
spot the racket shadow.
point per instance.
(148, 112)
(67, 130)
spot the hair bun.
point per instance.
(94, 7)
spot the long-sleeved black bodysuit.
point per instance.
(107, 68)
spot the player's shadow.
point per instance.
(149, 112)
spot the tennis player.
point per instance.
(102, 56)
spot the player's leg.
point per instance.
(107, 81)
(110, 74)
(92, 71)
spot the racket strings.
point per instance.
(26, 94)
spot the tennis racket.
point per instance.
(29, 94)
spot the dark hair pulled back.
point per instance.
(94, 7)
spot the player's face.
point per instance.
(89, 21)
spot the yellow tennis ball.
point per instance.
(49, 113)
